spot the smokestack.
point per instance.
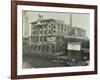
(71, 19)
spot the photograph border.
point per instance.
(14, 38)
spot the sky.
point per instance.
(80, 20)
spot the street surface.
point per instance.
(38, 62)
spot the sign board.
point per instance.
(74, 46)
(51, 39)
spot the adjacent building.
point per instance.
(25, 20)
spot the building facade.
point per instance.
(47, 35)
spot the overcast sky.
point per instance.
(79, 20)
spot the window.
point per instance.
(39, 47)
(33, 38)
(32, 47)
(47, 48)
(44, 27)
(58, 26)
(52, 23)
(53, 48)
(44, 38)
(62, 27)
(44, 31)
(40, 38)
(65, 28)
(36, 38)
(41, 22)
(49, 26)
(54, 31)
(45, 22)
(42, 48)
(40, 31)
(36, 32)
(33, 32)
(53, 26)
(33, 28)
(49, 31)
(35, 48)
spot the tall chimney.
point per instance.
(71, 19)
